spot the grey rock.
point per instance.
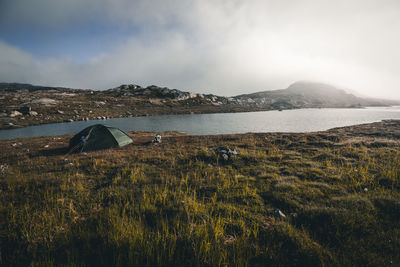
(45, 101)
(69, 165)
(157, 139)
(33, 113)
(225, 153)
(15, 113)
(278, 213)
(3, 169)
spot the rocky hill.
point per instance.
(309, 95)
(25, 104)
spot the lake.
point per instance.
(299, 120)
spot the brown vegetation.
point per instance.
(178, 204)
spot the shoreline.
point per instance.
(51, 128)
(27, 105)
(236, 109)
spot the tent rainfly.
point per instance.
(97, 137)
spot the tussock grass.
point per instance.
(178, 204)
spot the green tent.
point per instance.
(98, 137)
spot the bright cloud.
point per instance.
(223, 47)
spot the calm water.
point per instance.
(300, 120)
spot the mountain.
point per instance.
(25, 104)
(304, 94)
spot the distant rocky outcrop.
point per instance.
(309, 95)
(154, 92)
(25, 104)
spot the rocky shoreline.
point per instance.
(34, 106)
(25, 105)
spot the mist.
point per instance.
(221, 47)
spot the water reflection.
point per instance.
(300, 120)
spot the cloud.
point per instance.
(223, 47)
(15, 65)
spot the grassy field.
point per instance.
(178, 204)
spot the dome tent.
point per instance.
(98, 137)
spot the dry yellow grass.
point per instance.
(178, 204)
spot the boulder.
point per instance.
(225, 153)
(45, 101)
(33, 113)
(15, 113)
(3, 169)
(157, 139)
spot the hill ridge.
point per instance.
(26, 104)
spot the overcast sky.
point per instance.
(208, 46)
